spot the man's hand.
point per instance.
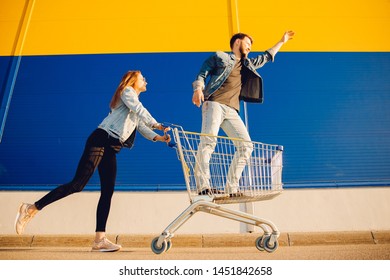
(198, 97)
(287, 36)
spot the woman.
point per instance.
(117, 130)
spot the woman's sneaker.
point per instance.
(22, 218)
(105, 245)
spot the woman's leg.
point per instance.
(92, 155)
(107, 172)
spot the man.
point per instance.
(232, 77)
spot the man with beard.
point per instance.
(231, 77)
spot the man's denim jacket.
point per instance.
(129, 115)
(219, 66)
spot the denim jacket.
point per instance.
(219, 66)
(129, 115)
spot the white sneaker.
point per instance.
(22, 218)
(105, 245)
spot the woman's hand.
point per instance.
(163, 138)
(159, 126)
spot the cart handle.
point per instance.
(167, 127)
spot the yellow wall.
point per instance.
(123, 26)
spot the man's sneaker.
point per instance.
(210, 192)
(105, 245)
(236, 194)
(22, 218)
(205, 192)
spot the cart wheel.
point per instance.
(268, 247)
(259, 244)
(156, 249)
(169, 245)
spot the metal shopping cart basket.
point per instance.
(261, 179)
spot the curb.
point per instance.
(201, 240)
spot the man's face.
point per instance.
(245, 46)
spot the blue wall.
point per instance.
(329, 110)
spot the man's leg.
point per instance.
(234, 127)
(212, 117)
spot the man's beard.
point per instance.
(242, 51)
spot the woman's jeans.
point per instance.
(100, 151)
(214, 116)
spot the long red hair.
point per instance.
(128, 79)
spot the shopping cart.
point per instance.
(261, 179)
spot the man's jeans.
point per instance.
(214, 116)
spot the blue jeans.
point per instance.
(214, 117)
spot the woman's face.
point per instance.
(140, 83)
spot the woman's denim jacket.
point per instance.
(219, 66)
(129, 115)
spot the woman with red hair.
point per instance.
(117, 130)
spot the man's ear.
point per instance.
(237, 43)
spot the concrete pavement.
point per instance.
(368, 245)
(201, 240)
